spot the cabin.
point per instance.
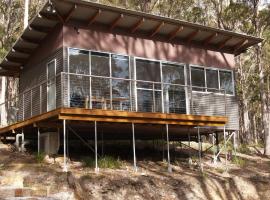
(93, 69)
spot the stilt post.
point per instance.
(168, 149)
(96, 153)
(134, 148)
(65, 147)
(38, 141)
(225, 147)
(214, 149)
(199, 148)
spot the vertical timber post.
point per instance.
(134, 148)
(168, 149)
(96, 156)
(65, 148)
(38, 141)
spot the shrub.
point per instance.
(104, 162)
(39, 157)
(238, 161)
(244, 149)
(109, 162)
(88, 162)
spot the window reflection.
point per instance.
(173, 74)
(226, 81)
(212, 80)
(120, 66)
(197, 78)
(100, 64)
(78, 61)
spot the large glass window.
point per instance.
(148, 70)
(212, 80)
(120, 66)
(226, 81)
(148, 94)
(100, 64)
(79, 85)
(78, 61)
(198, 78)
(174, 96)
(173, 74)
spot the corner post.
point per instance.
(134, 148)
(168, 149)
(65, 148)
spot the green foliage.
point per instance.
(239, 161)
(39, 157)
(243, 148)
(104, 162)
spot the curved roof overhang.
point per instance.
(114, 18)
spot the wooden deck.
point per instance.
(81, 114)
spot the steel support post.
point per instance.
(134, 148)
(96, 153)
(225, 146)
(199, 148)
(234, 143)
(189, 157)
(65, 147)
(214, 148)
(168, 149)
(38, 141)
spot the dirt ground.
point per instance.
(21, 175)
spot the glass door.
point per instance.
(173, 88)
(149, 90)
(51, 85)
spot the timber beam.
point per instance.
(94, 17)
(137, 25)
(70, 13)
(156, 30)
(209, 39)
(174, 33)
(116, 21)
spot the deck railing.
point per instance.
(109, 93)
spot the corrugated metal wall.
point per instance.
(34, 91)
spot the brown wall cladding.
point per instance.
(134, 45)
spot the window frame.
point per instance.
(219, 84)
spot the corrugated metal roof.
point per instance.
(114, 18)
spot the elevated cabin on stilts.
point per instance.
(89, 68)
